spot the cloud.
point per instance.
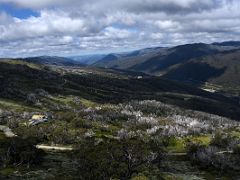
(66, 27)
(40, 3)
(49, 23)
(114, 33)
(4, 18)
(171, 6)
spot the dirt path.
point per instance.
(224, 152)
(176, 154)
(184, 154)
(58, 148)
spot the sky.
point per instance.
(78, 27)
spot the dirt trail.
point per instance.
(58, 148)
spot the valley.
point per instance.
(171, 130)
(195, 64)
(120, 90)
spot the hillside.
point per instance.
(221, 69)
(20, 81)
(120, 90)
(82, 117)
(87, 59)
(126, 60)
(198, 64)
(228, 43)
(157, 60)
(52, 60)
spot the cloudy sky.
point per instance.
(75, 27)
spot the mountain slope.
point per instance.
(53, 60)
(126, 60)
(216, 63)
(159, 60)
(21, 81)
(88, 59)
(176, 55)
(221, 69)
(228, 43)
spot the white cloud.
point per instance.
(119, 4)
(114, 33)
(66, 39)
(75, 26)
(49, 23)
(40, 3)
(167, 25)
(156, 35)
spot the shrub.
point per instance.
(236, 150)
(193, 148)
(107, 159)
(81, 123)
(17, 151)
(221, 140)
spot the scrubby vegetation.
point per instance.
(101, 134)
(222, 153)
(122, 158)
(126, 134)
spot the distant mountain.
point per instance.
(216, 63)
(172, 56)
(109, 58)
(100, 60)
(145, 51)
(118, 59)
(87, 59)
(228, 43)
(198, 64)
(222, 69)
(158, 60)
(52, 60)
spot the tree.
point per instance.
(110, 158)
(17, 151)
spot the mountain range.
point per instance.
(209, 66)
(198, 64)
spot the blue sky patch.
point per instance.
(20, 13)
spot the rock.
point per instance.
(42, 93)
(32, 98)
